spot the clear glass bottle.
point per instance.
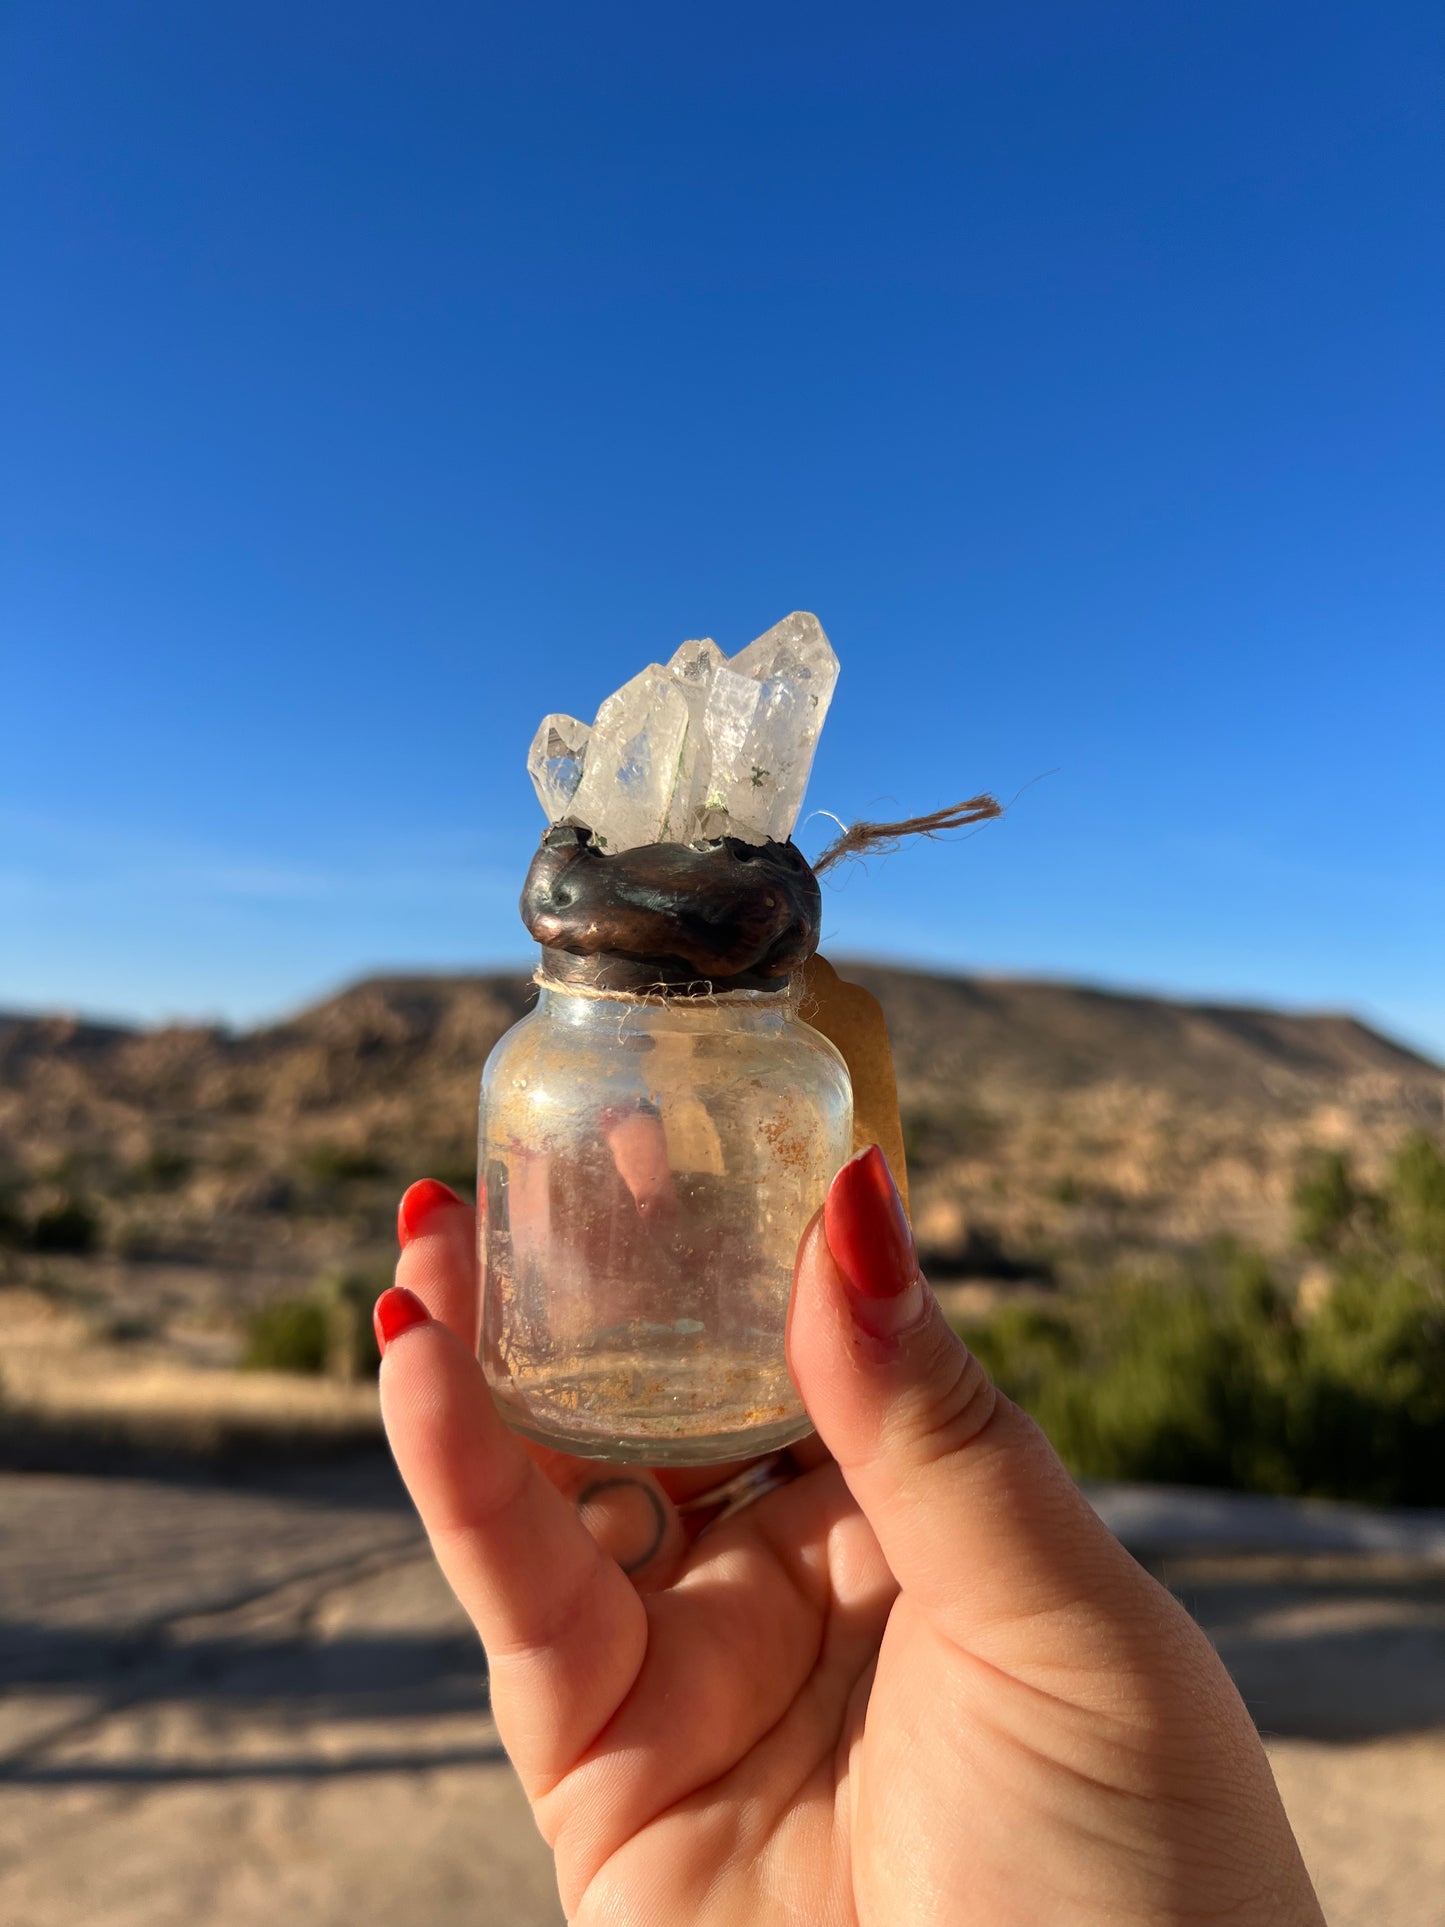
(647, 1169)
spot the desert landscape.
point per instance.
(225, 1649)
(156, 1187)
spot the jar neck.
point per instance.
(756, 1011)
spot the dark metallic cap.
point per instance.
(685, 918)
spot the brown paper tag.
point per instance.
(851, 1018)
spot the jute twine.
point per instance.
(700, 991)
(862, 838)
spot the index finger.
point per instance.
(564, 1629)
(628, 1511)
(437, 1231)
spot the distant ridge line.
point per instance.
(1045, 1027)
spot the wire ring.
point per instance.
(743, 1489)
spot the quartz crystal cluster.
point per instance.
(706, 746)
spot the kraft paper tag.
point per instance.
(851, 1018)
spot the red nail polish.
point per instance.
(868, 1235)
(397, 1310)
(418, 1203)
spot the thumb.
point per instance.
(980, 1523)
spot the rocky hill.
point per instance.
(1051, 1128)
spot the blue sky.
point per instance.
(380, 377)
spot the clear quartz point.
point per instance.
(764, 716)
(633, 759)
(692, 668)
(554, 763)
(705, 747)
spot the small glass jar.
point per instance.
(647, 1168)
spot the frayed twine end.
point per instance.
(861, 839)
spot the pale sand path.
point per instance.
(1370, 1820)
(262, 1709)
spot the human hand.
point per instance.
(919, 1684)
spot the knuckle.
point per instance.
(953, 1405)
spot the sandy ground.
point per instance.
(259, 1706)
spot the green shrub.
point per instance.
(1416, 1198)
(1027, 1350)
(327, 1329)
(162, 1169)
(1371, 1402)
(288, 1335)
(139, 1243)
(69, 1227)
(347, 1298)
(341, 1164)
(13, 1228)
(1222, 1382)
(1326, 1202)
(934, 1132)
(126, 1328)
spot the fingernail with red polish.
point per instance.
(397, 1310)
(868, 1235)
(418, 1203)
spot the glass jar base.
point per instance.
(635, 1407)
(657, 1447)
